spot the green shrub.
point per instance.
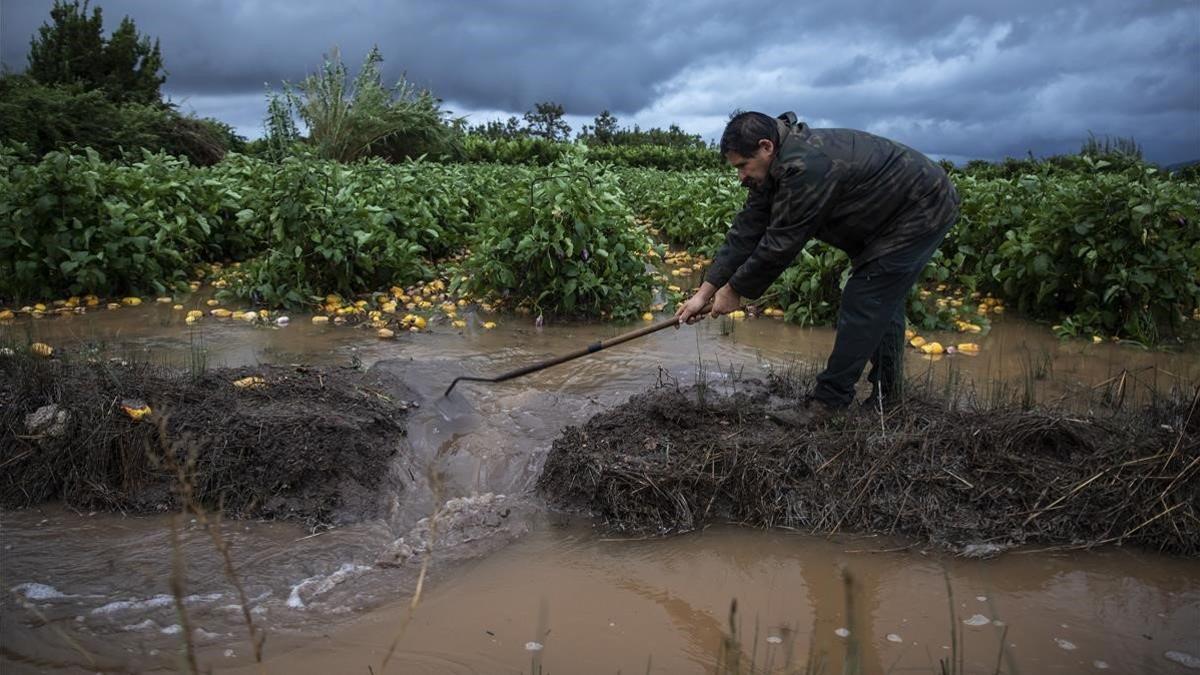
(76, 224)
(566, 245)
(322, 236)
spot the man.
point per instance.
(886, 205)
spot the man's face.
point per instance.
(752, 171)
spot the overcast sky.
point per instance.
(953, 78)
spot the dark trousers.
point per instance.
(870, 323)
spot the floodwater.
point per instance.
(90, 592)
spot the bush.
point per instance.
(76, 224)
(56, 117)
(568, 247)
(322, 237)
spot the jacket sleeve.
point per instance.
(741, 239)
(803, 202)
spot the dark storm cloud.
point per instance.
(953, 78)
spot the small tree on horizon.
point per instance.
(546, 121)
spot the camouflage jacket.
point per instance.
(859, 192)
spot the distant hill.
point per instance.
(1181, 165)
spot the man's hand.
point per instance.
(693, 310)
(726, 301)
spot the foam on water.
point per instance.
(35, 591)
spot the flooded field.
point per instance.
(90, 591)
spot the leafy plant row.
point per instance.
(1098, 249)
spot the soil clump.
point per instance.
(300, 443)
(976, 481)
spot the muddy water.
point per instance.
(91, 591)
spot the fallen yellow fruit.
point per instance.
(489, 324)
(917, 341)
(221, 313)
(737, 314)
(6, 315)
(177, 307)
(252, 382)
(163, 301)
(213, 303)
(132, 302)
(190, 319)
(1096, 339)
(460, 324)
(647, 317)
(910, 334)
(320, 319)
(968, 347)
(42, 349)
(932, 348)
(195, 314)
(135, 409)
(386, 333)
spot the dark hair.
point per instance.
(745, 130)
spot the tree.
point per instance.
(350, 120)
(546, 121)
(71, 50)
(496, 130)
(602, 131)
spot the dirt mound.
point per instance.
(308, 444)
(976, 481)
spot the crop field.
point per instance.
(1096, 249)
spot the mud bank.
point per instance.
(975, 481)
(308, 444)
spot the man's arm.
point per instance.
(805, 197)
(747, 228)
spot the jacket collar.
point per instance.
(788, 126)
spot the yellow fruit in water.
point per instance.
(647, 317)
(39, 307)
(135, 409)
(42, 349)
(386, 333)
(177, 307)
(132, 302)
(320, 319)
(190, 319)
(1096, 339)
(932, 348)
(221, 313)
(910, 334)
(249, 316)
(114, 305)
(419, 322)
(6, 315)
(917, 341)
(737, 314)
(998, 309)
(489, 324)
(195, 314)
(252, 382)
(388, 307)
(460, 324)
(968, 347)
(163, 301)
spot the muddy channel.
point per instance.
(507, 584)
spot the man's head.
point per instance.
(749, 144)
